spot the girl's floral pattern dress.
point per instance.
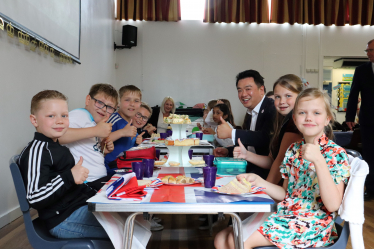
(302, 220)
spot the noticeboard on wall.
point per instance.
(343, 94)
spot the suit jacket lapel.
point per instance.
(260, 115)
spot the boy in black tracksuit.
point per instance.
(54, 184)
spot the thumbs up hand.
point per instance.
(139, 138)
(108, 145)
(240, 151)
(224, 130)
(312, 151)
(129, 130)
(103, 129)
(79, 172)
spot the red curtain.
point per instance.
(361, 12)
(327, 12)
(149, 10)
(227, 11)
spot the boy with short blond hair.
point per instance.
(88, 132)
(123, 132)
(54, 182)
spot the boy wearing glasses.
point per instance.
(141, 118)
(88, 132)
(123, 131)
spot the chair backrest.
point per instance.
(19, 184)
(353, 153)
(37, 233)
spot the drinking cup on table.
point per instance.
(169, 132)
(138, 169)
(158, 154)
(210, 174)
(190, 152)
(148, 167)
(163, 135)
(208, 159)
(199, 135)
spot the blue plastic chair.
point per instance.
(37, 233)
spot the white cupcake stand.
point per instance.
(179, 153)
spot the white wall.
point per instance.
(195, 62)
(24, 73)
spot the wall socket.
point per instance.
(310, 70)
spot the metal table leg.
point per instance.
(128, 230)
(131, 228)
(237, 230)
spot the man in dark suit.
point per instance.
(258, 124)
(363, 81)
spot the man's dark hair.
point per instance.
(259, 80)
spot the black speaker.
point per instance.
(129, 35)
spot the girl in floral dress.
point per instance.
(314, 172)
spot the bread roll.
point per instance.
(160, 162)
(172, 180)
(165, 179)
(190, 180)
(179, 177)
(174, 164)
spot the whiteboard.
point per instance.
(56, 21)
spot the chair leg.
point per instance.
(210, 223)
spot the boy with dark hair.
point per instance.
(88, 132)
(54, 182)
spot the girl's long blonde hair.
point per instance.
(294, 84)
(316, 93)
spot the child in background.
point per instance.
(209, 111)
(314, 172)
(209, 118)
(221, 113)
(141, 118)
(123, 132)
(55, 182)
(88, 132)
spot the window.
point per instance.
(192, 9)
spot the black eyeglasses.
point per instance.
(139, 115)
(369, 50)
(99, 104)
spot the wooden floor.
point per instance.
(181, 232)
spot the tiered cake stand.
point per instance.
(179, 153)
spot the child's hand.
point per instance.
(240, 151)
(224, 130)
(103, 128)
(79, 172)
(139, 138)
(129, 130)
(199, 126)
(311, 152)
(108, 145)
(220, 152)
(253, 179)
(150, 128)
(208, 130)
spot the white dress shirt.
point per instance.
(254, 115)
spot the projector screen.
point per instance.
(56, 22)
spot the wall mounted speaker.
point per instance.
(129, 35)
